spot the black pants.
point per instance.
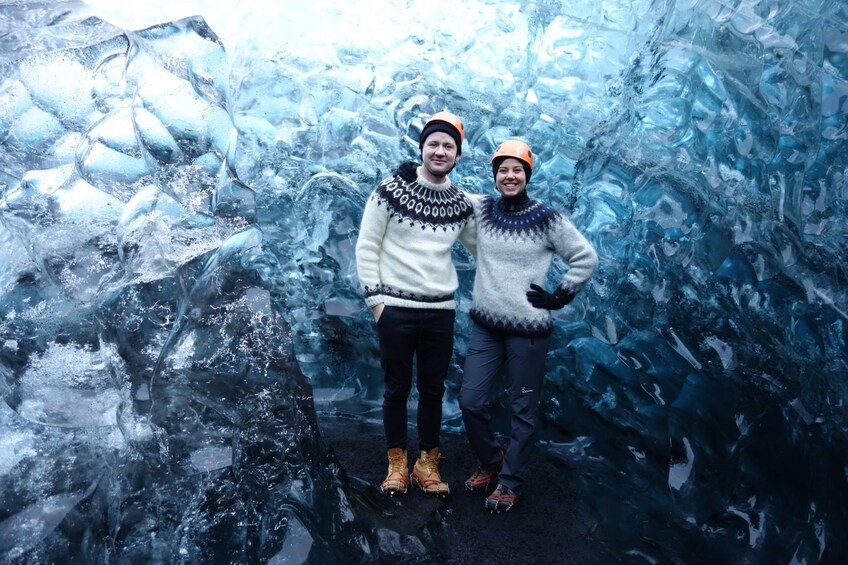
(426, 335)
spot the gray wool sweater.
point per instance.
(516, 241)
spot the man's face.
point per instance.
(439, 154)
(510, 178)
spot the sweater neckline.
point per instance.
(514, 204)
(432, 185)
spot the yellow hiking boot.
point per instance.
(397, 478)
(425, 474)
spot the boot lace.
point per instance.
(396, 464)
(431, 463)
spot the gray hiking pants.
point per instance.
(523, 359)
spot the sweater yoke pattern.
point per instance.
(421, 206)
(528, 220)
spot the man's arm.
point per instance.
(468, 235)
(369, 246)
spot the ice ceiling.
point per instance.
(179, 197)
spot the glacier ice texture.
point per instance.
(178, 208)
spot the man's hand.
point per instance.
(377, 311)
(541, 298)
(408, 171)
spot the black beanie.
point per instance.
(445, 127)
(528, 171)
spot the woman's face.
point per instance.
(510, 178)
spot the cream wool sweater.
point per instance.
(403, 253)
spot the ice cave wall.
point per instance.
(180, 202)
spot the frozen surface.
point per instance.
(180, 192)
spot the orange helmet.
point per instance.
(513, 148)
(447, 123)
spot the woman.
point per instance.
(517, 238)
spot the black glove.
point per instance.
(541, 298)
(408, 171)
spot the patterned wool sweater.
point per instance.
(403, 253)
(516, 240)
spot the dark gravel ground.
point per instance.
(549, 524)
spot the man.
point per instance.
(517, 238)
(403, 257)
